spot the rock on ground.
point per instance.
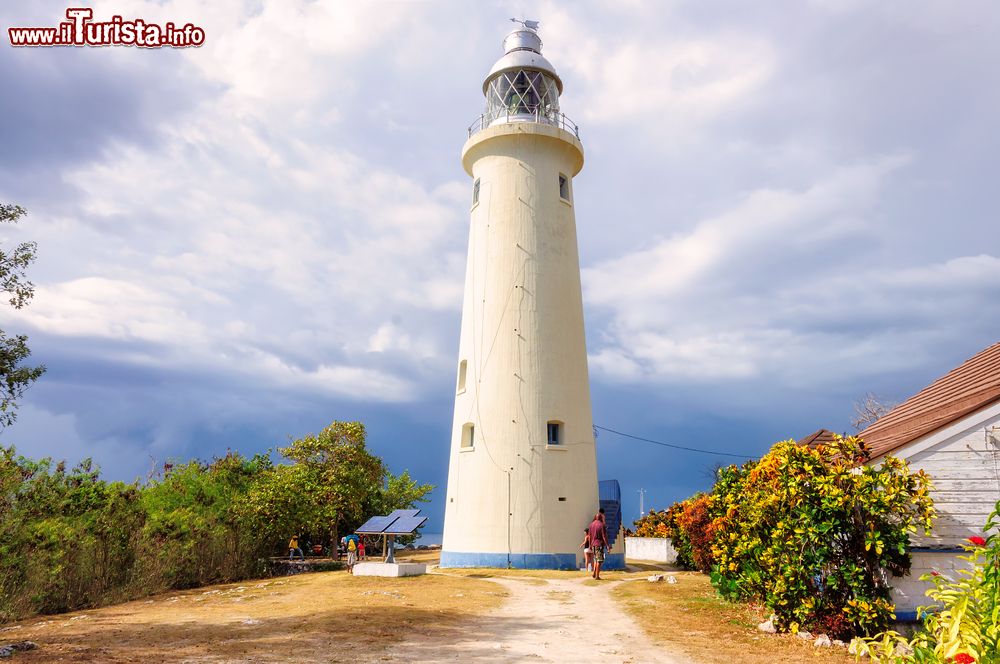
(767, 626)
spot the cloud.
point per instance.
(237, 241)
(665, 79)
(775, 289)
(781, 207)
(57, 436)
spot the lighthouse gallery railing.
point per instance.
(555, 119)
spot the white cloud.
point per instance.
(239, 242)
(672, 82)
(775, 288)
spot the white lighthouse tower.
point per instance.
(522, 476)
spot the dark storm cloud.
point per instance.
(63, 106)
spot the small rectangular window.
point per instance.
(475, 192)
(461, 376)
(468, 435)
(555, 433)
(563, 187)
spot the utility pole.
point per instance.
(642, 511)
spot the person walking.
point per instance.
(598, 543)
(352, 552)
(361, 549)
(293, 548)
(586, 549)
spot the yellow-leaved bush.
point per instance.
(813, 533)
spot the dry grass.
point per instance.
(493, 572)
(430, 557)
(691, 617)
(311, 617)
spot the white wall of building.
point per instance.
(658, 549)
(963, 460)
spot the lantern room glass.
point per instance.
(522, 94)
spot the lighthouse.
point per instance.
(522, 475)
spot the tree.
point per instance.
(869, 409)
(333, 484)
(401, 492)
(339, 473)
(16, 377)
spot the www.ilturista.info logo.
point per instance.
(82, 30)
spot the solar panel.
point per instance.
(376, 525)
(405, 525)
(398, 513)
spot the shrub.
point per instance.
(70, 540)
(963, 625)
(814, 533)
(695, 522)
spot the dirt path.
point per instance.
(546, 620)
(332, 617)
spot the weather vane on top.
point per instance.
(531, 25)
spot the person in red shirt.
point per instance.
(598, 543)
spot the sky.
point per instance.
(784, 206)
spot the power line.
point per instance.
(676, 447)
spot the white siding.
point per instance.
(909, 592)
(965, 470)
(963, 460)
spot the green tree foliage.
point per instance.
(333, 485)
(339, 474)
(400, 492)
(15, 377)
(70, 540)
(963, 623)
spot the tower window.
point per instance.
(462, 368)
(475, 192)
(555, 433)
(468, 435)
(563, 187)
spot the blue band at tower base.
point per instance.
(568, 561)
(516, 560)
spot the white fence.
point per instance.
(659, 549)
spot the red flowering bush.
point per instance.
(695, 521)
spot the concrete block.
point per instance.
(390, 569)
